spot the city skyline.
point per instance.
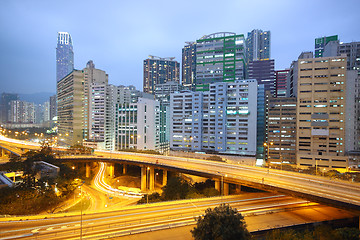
(119, 36)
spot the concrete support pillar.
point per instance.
(238, 188)
(143, 179)
(218, 185)
(226, 189)
(164, 179)
(152, 179)
(87, 170)
(124, 169)
(111, 168)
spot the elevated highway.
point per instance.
(315, 188)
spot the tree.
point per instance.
(176, 188)
(222, 222)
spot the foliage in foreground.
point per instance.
(222, 222)
(32, 196)
(319, 233)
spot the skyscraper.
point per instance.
(158, 71)
(64, 55)
(321, 117)
(320, 44)
(189, 66)
(220, 57)
(258, 45)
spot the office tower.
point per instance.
(22, 112)
(280, 82)
(118, 95)
(263, 72)
(95, 85)
(321, 42)
(70, 108)
(138, 125)
(222, 119)
(292, 77)
(64, 55)
(220, 57)
(159, 70)
(281, 130)
(5, 106)
(258, 45)
(162, 94)
(189, 66)
(260, 121)
(53, 107)
(321, 114)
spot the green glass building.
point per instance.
(320, 44)
(220, 57)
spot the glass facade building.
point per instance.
(64, 55)
(258, 45)
(220, 57)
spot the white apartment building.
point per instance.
(222, 119)
(138, 125)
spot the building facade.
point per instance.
(158, 71)
(280, 82)
(70, 108)
(220, 57)
(64, 55)
(258, 45)
(138, 125)
(189, 66)
(281, 130)
(222, 119)
(263, 72)
(5, 105)
(22, 112)
(321, 115)
(321, 42)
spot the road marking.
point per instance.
(50, 228)
(35, 230)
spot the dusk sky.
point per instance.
(119, 35)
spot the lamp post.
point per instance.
(268, 149)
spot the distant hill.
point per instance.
(37, 98)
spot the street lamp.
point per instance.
(268, 149)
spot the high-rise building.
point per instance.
(321, 106)
(258, 45)
(95, 84)
(5, 105)
(138, 125)
(220, 57)
(22, 112)
(64, 55)
(352, 124)
(280, 82)
(159, 70)
(53, 107)
(352, 51)
(70, 108)
(263, 72)
(222, 119)
(321, 42)
(162, 94)
(189, 66)
(292, 77)
(260, 122)
(281, 130)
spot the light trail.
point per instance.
(100, 183)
